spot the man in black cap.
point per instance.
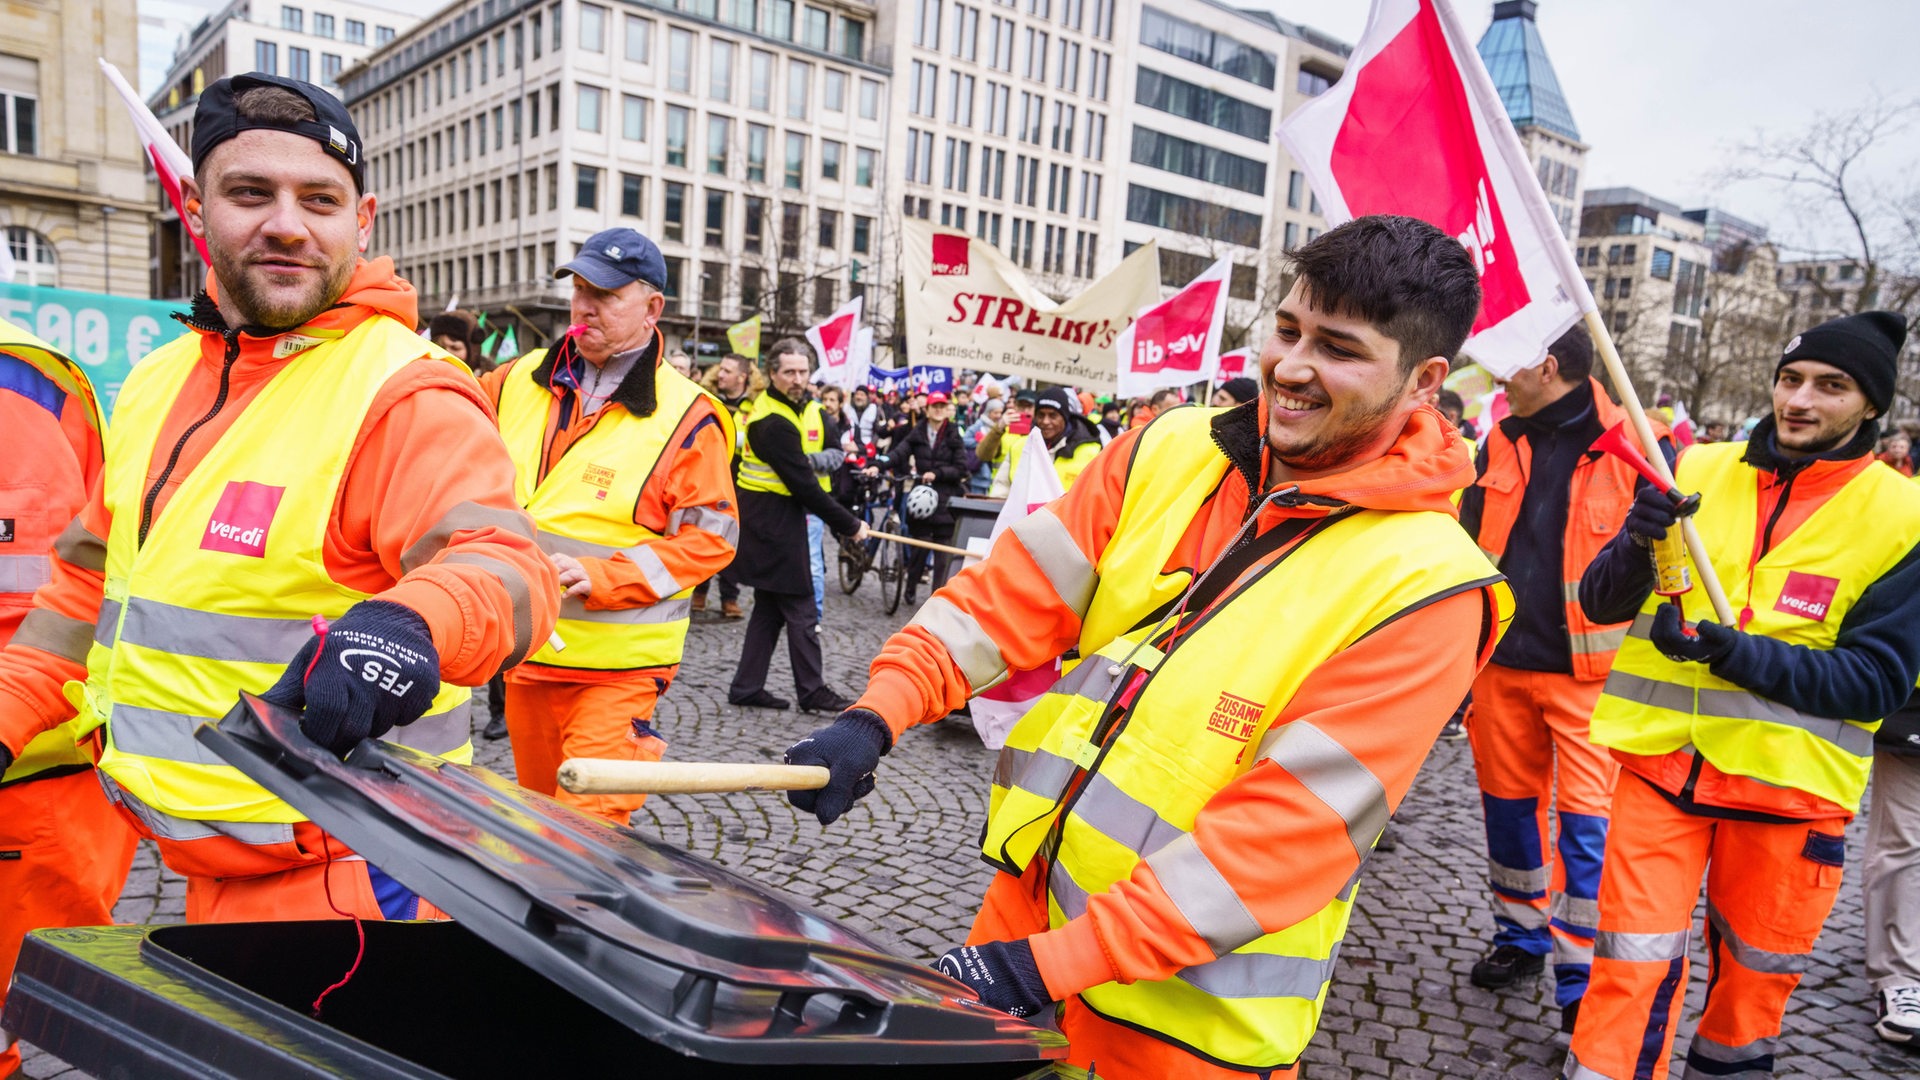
(1745, 747)
(274, 472)
(625, 465)
(1071, 438)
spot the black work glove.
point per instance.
(1710, 641)
(850, 748)
(1651, 515)
(6, 759)
(373, 670)
(1001, 974)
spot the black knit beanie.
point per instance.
(1865, 346)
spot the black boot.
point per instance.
(1506, 965)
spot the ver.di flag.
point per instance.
(1416, 127)
(996, 709)
(1176, 341)
(745, 338)
(1234, 364)
(834, 342)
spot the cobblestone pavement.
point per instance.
(902, 867)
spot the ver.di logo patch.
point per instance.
(1807, 595)
(242, 518)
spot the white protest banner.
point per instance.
(999, 707)
(968, 306)
(1176, 341)
(833, 344)
(1416, 127)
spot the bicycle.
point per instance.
(885, 559)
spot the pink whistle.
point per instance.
(576, 329)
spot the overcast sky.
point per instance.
(1663, 89)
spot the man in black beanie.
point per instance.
(1746, 746)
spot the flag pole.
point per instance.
(1696, 548)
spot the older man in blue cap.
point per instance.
(624, 465)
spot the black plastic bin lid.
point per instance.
(684, 952)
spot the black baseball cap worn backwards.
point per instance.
(217, 119)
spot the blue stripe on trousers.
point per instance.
(1653, 1042)
(1513, 840)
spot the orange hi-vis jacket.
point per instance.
(425, 514)
(1276, 843)
(1597, 502)
(52, 461)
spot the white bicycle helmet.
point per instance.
(922, 502)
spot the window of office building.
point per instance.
(587, 112)
(760, 81)
(919, 157)
(299, 64)
(639, 40)
(780, 20)
(869, 99)
(674, 213)
(965, 39)
(833, 97)
(266, 57)
(853, 38)
(926, 23)
(863, 167)
(33, 257)
(830, 153)
(922, 89)
(744, 14)
(796, 174)
(753, 287)
(19, 106)
(678, 119)
(633, 117)
(793, 222)
(593, 28)
(1184, 99)
(1312, 83)
(754, 233)
(716, 230)
(719, 138)
(292, 18)
(330, 66)
(720, 70)
(322, 25)
(958, 164)
(862, 235)
(757, 137)
(383, 34)
(586, 194)
(1174, 35)
(815, 28)
(676, 273)
(356, 32)
(799, 81)
(829, 230)
(1176, 155)
(1196, 217)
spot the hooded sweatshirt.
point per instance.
(449, 543)
(1384, 699)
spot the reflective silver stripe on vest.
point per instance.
(1723, 1054)
(1204, 896)
(1595, 641)
(1515, 879)
(1070, 573)
(109, 622)
(707, 519)
(973, 652)
(1741, 705)
(555, 544)
(1261, 975)
(157, 733)
(168, 827)
(1066, 892)
(665, 611)
(1334, 776)
(1036, 772)
(1652, 692)
(1570, 591)
(1754, 958)
(658, 577)
(24, 573)
(1640, 948)
(207, 635)
(1575, 911)
(1573, 1070)
(1122, 818)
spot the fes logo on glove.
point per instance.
(373, 670)
(1002, 974)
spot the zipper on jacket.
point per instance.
(232, 338)
(1779, 508)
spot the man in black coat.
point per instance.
(934, 454)
(777, 489)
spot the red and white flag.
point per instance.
(999, 707)
(1415, 127)
(1176, 341)
(1234, 364)
(836, 342)
(170, 162)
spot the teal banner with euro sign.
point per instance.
(105, 335)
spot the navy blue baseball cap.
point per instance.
(614, 258)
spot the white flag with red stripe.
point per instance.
(836, 342)
(1234, 364)
(1176, 341)
(1416, 127)
(996, 709)
(170, 162)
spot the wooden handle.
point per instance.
(599, 776)
(944, 549)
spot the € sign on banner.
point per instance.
(1176, 341)
(969, 306)
(1416, 127)
(835, 344)
(106, 335)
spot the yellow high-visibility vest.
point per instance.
(1653, 705)
(223, 591)
(757, 475)
(585, 505)
(1204, 717)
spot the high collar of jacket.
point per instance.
(636, 392)
(797, 406)
(1426, 464)
(1568, 411)
(1763, 451)
(374, 289)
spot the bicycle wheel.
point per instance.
(891, 564)
(852, 567)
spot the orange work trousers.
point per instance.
(1016, 908)
(550, 721)
(1770, 888)
(64, 856)
(1528, 730)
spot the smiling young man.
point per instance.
(626, 466)
(278, 463)
(1180, 823)
(1745, 749)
